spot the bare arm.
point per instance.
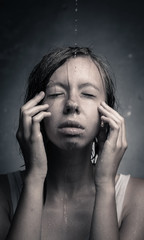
(104, 220)
(26, 223)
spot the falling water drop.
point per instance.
(76, 22)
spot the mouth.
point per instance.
(71, 128)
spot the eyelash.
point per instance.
(89, 95)
(60, 94)
(55, 94)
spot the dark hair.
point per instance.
(42, 72)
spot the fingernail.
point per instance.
(103, 103)
(41, 93)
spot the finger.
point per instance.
(35, 130)
(26, 125)
(121, 142)
(122, 135)
(25, 121)
(34, 110)
(123, 130)
(34, 101)
(111, 110)
(27, 111)
(111, 114)
(114, 130)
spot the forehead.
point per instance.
(79, 69)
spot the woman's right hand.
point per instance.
(30, 137)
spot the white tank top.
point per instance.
(16, 183)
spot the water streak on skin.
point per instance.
(65, 209)
(65, 215)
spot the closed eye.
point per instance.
(56, 94)
(89, 95)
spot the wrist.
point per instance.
(34, 178)
(105, 184)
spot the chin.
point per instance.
(72, 145)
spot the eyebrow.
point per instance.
(53, 84)
(82, 85)
(89, 85)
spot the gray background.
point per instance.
(114, 29)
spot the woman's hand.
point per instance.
(30, 137)
(111, 149)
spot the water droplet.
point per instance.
(129, 113)
(75, 54)
(130, 55)
(75, 23)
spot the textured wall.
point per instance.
(31, 28)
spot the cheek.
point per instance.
(93, 119)
(92, 112)
(55, 107)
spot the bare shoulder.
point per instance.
(133, 210)
(135, 191)
(134, 195)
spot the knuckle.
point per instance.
(35, 137)
(18, 135)
(35, 119)
(23, 112)
(117, 127)
(22, 109)
(125, 145)
(119, 146)
(122, 120)
(122, 146)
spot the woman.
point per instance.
(68, 120)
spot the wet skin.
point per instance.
(74, 94)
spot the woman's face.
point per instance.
(74, 93)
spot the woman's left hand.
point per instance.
(111, 149)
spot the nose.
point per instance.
(71, 107)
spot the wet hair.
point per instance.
(43, 71)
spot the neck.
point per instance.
(69, 170)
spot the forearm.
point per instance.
(104, 221)
(26, 223)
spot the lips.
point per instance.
(71, 124)
(72, 128)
